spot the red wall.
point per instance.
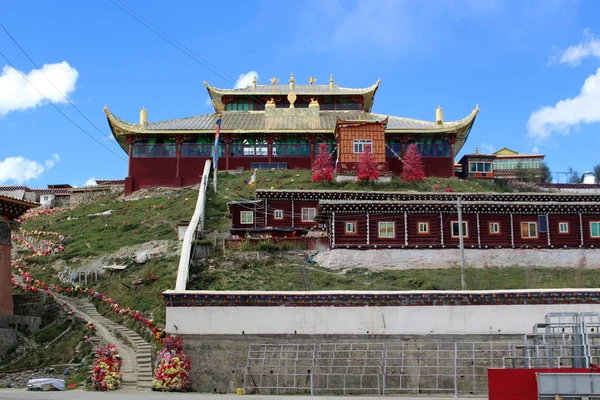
(433, 238)
(6, 301)
(439, 166)
(542, 239)
(519, 383)
(471, 220)
(588, 240)
(494, 240)
(351, 239)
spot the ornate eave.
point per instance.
(286, 121)
(216, 94)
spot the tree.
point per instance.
(367, 167)
(413, 169)
(323, 166)
(573, 176)
(545, 174)
(597, 173)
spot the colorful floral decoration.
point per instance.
(106, 374)
(173, 371)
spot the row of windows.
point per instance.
(480, 166)
(307, 215)
(386, 229)
(527, 163)
(529, 230)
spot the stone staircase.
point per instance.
(142, 349)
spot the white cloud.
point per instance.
(21, 170)
(535, 149)
(486, 148)
(568, 113)
(90, 182)
(50, 163)
(245, 80)
(16, 94)
(573, 55)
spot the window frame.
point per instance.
(354, 224)
(362, 143)
(491, 231)
(379, 225)
(591, 230)
(423, 223)
(246, 212)
(529, 223)
(275, 215)
(302, 214)
(465, 230)
(561, 224)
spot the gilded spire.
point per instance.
(292, 81)
(331, 81)
(254, 82)
(312, 80)
(274, 80)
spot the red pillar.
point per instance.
(178, 155)
(452, 142)
(227, 150)
(269, 148)
(312, 150)
(6, 301)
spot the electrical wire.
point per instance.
(104, 135)
(58, 109)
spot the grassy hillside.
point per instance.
(285, 274)
(154, 214)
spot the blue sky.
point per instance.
(533, 67)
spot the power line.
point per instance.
(58, 109)
(104, 135)
(190, 53)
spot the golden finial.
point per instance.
(254, 81)
(476, 150)
(274, 80)
(312, 80)
(292, 80)
(331, 78)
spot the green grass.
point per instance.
(281, 274)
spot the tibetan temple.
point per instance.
(282, 126)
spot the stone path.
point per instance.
(135, 352)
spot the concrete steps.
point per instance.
(143, 370)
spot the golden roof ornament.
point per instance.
(292, 81)
(292, 98)
(254, 82)
(331, 81)
(274, 80)
(311, 80)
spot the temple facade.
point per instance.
(282, 126)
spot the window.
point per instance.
(308, 214)
(246, 217)
(529, 230)
(360, 145)
(563, 227)
(494, 228)
(387, 230)
(423, 228)
(350, 227)
(480, 166)
(465, 229)
(595, 229)
(278, 214)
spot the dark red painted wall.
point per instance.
(470, 240)
(398, 220)
(6, 300)
(519, 383)
(496, 239)
(439, 166)
(542, 239)
(573, 238)
(356, 239)
(433, 238)
(588, 240)
(298, 205)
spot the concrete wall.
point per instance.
(399, 259)
(36, 305)
(219, 361)
(389, 320)
(29, 324)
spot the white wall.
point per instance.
(416, 320)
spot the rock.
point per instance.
(142, 257)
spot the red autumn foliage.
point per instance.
(367, 167)
(413, 169)
(323, 166)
